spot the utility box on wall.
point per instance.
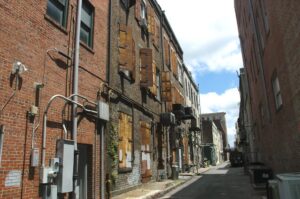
(103, 111)
(65, 153)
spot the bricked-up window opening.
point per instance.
(277, 92)
(58, 11)
(145, 130)
(87, 23)
(127, 57)
(125, 142)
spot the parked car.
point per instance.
(236, 158)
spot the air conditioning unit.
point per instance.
(194, 125)
(178, 110)
(188, 113)
(167, 119)
(289, 185)
(273, 190)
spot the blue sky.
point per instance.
(207, 33)
(217, 82)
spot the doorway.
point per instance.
(85, 171)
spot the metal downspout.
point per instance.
(75, 92)
(102, 160)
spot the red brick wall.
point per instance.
(26, 34)
(277, 136)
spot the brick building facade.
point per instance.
(220, 122)
(40, 35)
(269, 42)
(129, 59)
(134, 78)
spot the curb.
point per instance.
(163, 192)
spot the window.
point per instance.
(179, 72)
(174, 66)
(125, 142)
(87, 24)
(127, 59)
(143, 11)
(277, 92)
(158, 84)
(166, 52)
(58, 11)
(147, 68)
(1, 141)
(145, 130)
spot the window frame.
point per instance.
(179, 72)
(277, 92)
(65, 10)
(91, 8)
(1, 142)
(143, 10)
(158, 83)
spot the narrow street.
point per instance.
(220, 182)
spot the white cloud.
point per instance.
(207, 33)
(226, 102)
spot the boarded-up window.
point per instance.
(178, 97)
(145, 130)
(157, 34)
(166, 86)
(151, 20)
(153, 28)
(127, 62)
(147, 74)
(153, 88)
(174, 62)
(166, 51)
(125, 141)
(158, 95)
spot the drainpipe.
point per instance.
(44, 131)
(102, 160)
(109, 43)
(75, 99)
(163, 60)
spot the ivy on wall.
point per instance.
(112, 151)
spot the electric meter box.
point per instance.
(103, 111)
(35, 157)
(65, 153)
